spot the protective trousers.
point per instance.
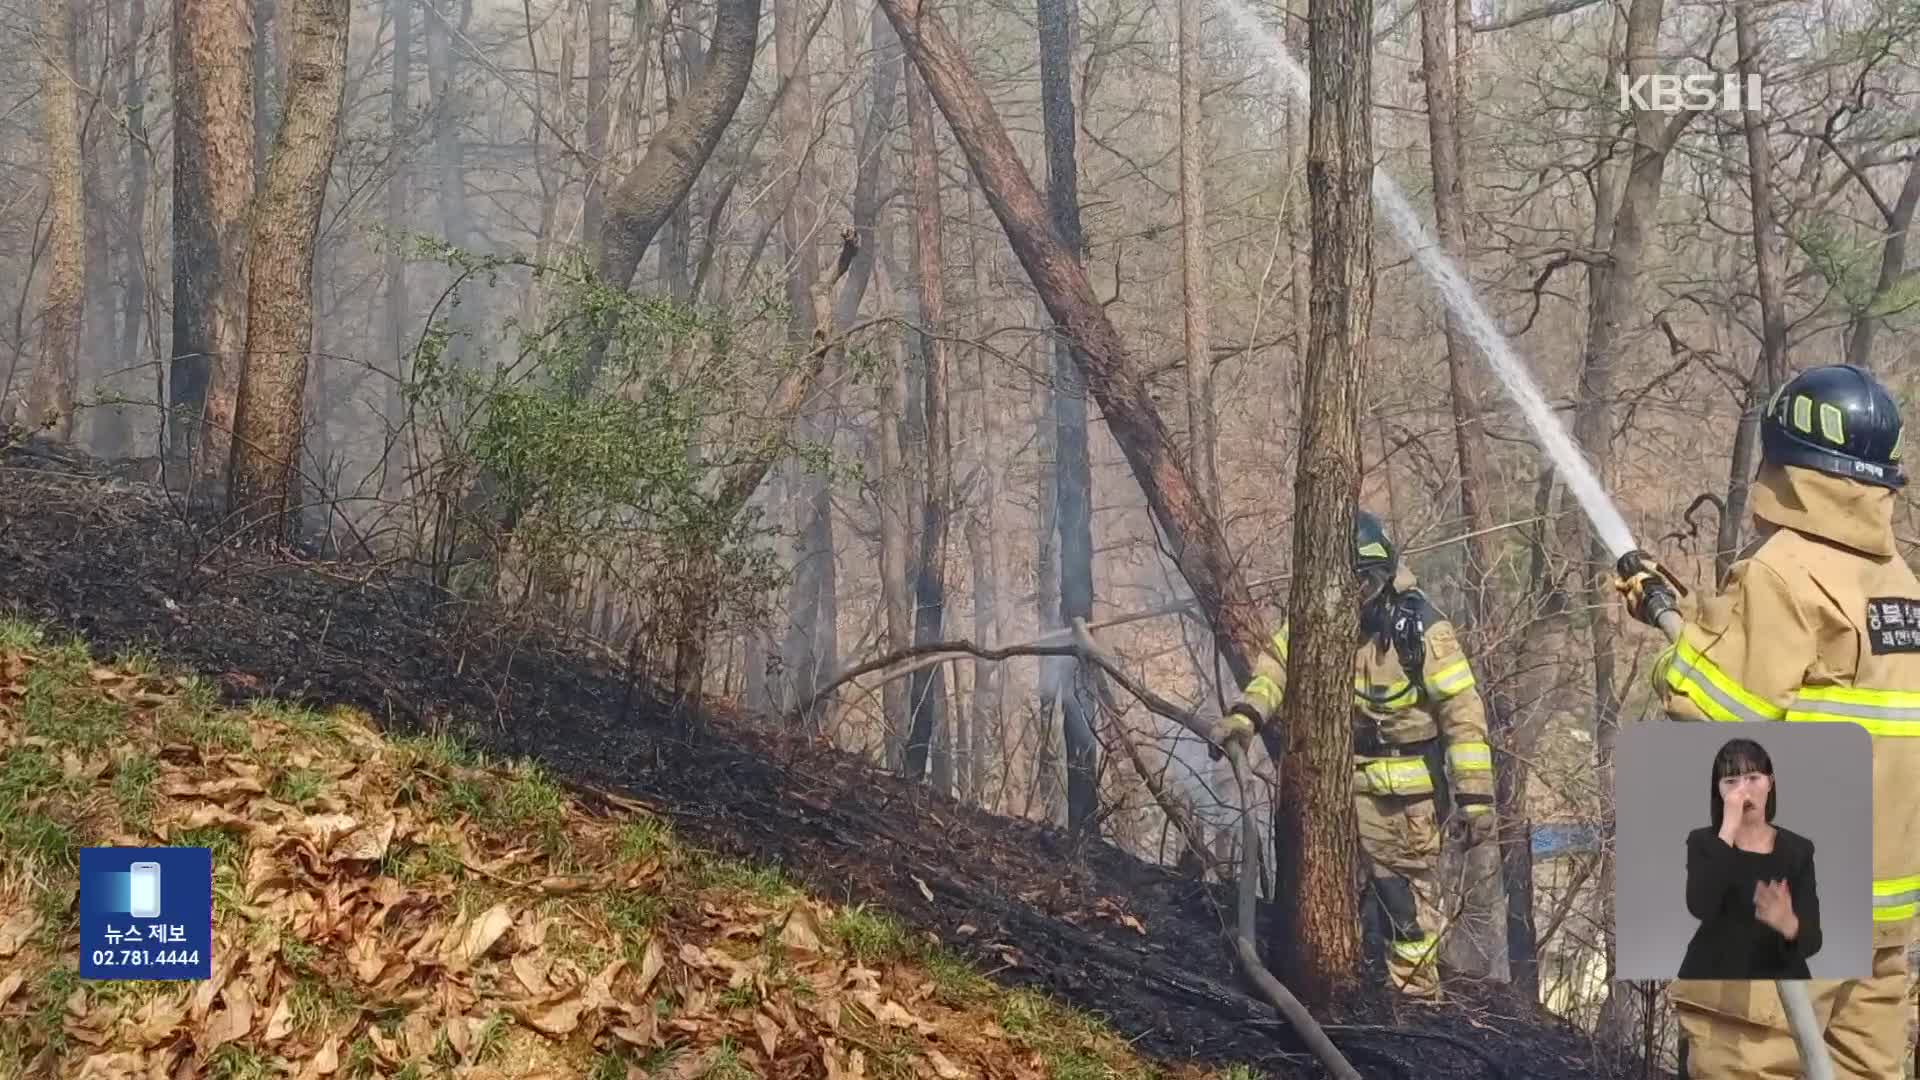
(1865, 1021)
(1401, 841)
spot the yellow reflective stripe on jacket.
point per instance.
(1395, 776)
(1280, 643)
(1896, 899)
(1887, 713)
(1264, 693)
(1713, 690)
(1455, 678)
(1469, 757)
(1417, 950)
(1394, 696)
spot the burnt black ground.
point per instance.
(119, 564)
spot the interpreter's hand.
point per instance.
(1237, 726)
(1773, 905)
(1732, 810)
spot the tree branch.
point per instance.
(1545, 11)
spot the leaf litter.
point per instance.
(403, 922)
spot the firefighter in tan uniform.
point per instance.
(1819, 623)
(1419, 731)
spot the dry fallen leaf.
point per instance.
(484, 932)
(115, 1066)
(944, 1068)
(529, 968)
(364, 955)
(924, 891)
(280, 1023)
(234, 1021)
(651, 962)
(367, 843)
(324, 1063)
(801, 931)
(16, 930)
(559, 1019)
(9, 985)
(157, 1020)
(768, 1030)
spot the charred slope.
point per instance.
(1102, 930)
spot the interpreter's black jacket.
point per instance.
(1731, 942)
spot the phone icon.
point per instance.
(144, 890)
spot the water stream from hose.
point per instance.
(1458, 295)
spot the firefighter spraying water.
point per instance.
(1828, 440)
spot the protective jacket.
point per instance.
(1397, 718)
(1821, 623)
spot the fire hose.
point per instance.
(1807, 1038)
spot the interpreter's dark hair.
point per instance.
(1737, 757)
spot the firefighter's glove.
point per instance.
(1237, 726)
(1472, 825)
(1478, 823)
(1646, 593)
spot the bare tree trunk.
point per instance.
(50, 395)
(1771, 370)
(928, 692)
(133, 312)
(676, 154)
(811, 643)
(399, 129)
(1479, 950)
(1046, 789)
(894, 555)
(1893, 268)
(1193, 533)
(599, 115)
(1611, 288)
(448, 156)
(1319, 953)
(1195, 264)
(266, 91)
(50, 392)
(658, 185)
(1078, 688)
(983, 538)
(267, 425)
(212, 190)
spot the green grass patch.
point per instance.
(412, 863)
(873, 937)
(766, 883)
(1064, 1038)
(644, 838)
(491, 1040)
(955, 982)
(633, 915)
(133, 781)
(299, 786)
(136, 661)
(726, 1064)
(57, 709)
(298, 718)
(20, 634)
(198, 717)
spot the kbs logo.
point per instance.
(1690, 93)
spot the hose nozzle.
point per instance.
(1657, 600)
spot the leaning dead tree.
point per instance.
(1193, 533)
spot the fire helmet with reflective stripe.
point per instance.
(1836, 419)
(1372, 550)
